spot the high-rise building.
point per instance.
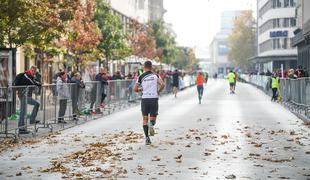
(219, 48)
(302, 33)
(276, 23)
(227, 20)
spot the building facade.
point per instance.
(219, 48)
(276, 23)
(301, 39)
(133, 9)
(156, 10)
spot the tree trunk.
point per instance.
(107, 63)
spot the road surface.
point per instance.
(241, 136)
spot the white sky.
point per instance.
(197, 21)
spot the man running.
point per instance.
(150, 85)
(231, 79)
(175, 82)
(199, 82)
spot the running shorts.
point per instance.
(149, 106)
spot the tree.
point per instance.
(23, 21)
(165, 42)
(242, 39)
(83, 36)
(113, 44)
(185, 58)
(142, 40)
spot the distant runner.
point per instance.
(231, 79)
(175, 82)
(150, 84)
(199, 82)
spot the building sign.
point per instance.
(275, 34)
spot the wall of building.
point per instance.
(156, 10)
(306, 16)
(135, 9)
(273, 18)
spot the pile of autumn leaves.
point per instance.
(100, 160)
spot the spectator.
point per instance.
(291, 74)
(63, 95)
(117, 76)
(163, 75)
(101, 77)
(129, 76)
(77, 85)
(25, 96)
(268, 73)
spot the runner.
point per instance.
(150, 85)
(175, 82)
(231, 79)
(199, 82)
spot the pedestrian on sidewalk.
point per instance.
(150, 84)
(275, 85)
(231, 79)
(77, 85)
(199, 82)
(27, 84)
(63, 95)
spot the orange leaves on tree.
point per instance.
(142, 40)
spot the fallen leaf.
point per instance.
(156, 158)
(232, 176)
(198, 138)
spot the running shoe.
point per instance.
(148, 141)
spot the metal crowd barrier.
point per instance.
(60, 107)
(295, 93)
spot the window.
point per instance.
(293, 22)
(276, 23)
(286, 3)
(284, 43)
(286, 22)
(275, 43)
(292, 3)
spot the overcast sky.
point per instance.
(197, 21)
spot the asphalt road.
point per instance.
(241, 136)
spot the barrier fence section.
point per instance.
(59, 106)
(295, 93)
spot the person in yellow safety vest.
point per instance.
(275, 85)
(140, 72)
(231, 79)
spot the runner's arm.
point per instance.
(161, 85)
(137, 88)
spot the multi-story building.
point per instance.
(219, 48)
(302, 34)
(156, 10)
(276, 23)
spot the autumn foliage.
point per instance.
(142, 40)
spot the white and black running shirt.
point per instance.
(149, 83)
